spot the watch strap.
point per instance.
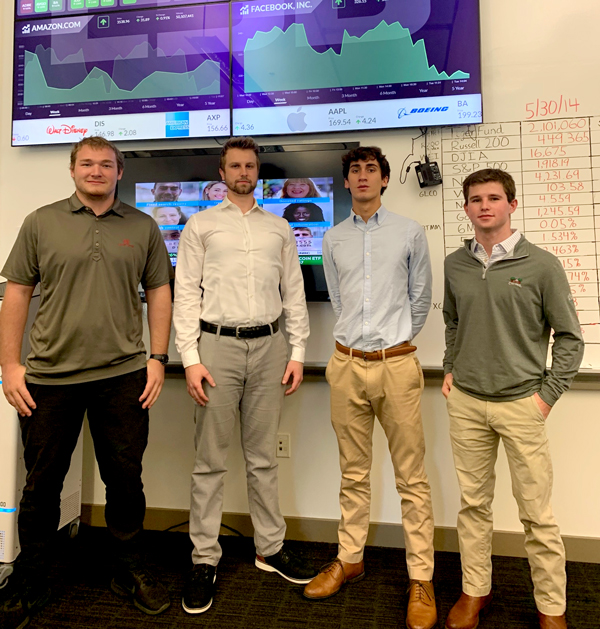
(162, 358)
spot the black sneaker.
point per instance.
(139, 585)
(289, 565)
(199, 589)
(21, 601)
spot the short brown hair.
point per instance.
(97, 143)
(364, 154)
(245, 143)
(487, 175)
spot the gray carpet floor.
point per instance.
(247, 598)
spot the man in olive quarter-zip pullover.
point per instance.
(503, 296)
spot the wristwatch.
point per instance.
(163, 359)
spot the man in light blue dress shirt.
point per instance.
(379, 279)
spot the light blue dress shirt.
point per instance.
(379, 280)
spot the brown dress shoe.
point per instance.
(421, 613)
(552, 622)
(332, 577)
(465, 613)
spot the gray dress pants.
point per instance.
(248, 374)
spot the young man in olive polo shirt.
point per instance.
(89, 253)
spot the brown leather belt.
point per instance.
(380, 354)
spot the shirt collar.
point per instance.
(506, 246)
(228, 203)
(76, 205)
(378, 217)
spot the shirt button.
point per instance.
(368, 277)
(97, 231)
(97, 244)
(367, 299)
(366, 323)
(368, 253)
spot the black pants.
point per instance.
(119, 428)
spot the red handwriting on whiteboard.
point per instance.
(541, 108)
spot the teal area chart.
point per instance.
(99, 86)
(393, 57)
(124, 62)
(316, 52)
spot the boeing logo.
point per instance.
(421, 110)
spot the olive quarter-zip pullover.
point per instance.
(498, 324)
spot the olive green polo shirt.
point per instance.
(89, 323)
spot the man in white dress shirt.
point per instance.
(237, 271)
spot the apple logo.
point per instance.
(296, 121)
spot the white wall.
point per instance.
(309, 481)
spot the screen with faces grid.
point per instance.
(303, 184)
(305, 202)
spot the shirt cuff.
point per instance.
(548, 396)
(189, 358)
(298, 354)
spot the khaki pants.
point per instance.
(475, 431)
(391, 390)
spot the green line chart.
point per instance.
(284, 60)
(99, 86)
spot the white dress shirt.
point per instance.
(237, 269)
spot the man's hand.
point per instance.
(447, 385)
(15, 389)
(545, 408)
(194, 376)
(294, 370)
(154, 385)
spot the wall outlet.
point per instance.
(284, 448)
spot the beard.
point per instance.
(241, 187)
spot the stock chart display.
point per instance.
(324, 65)
(152, 69)
(152, 73)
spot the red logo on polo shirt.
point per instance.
(125, 243)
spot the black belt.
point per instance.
(247, 332)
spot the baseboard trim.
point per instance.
(506, 544)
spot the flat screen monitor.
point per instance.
(301, 183)
(339, 65)
(123, 69)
